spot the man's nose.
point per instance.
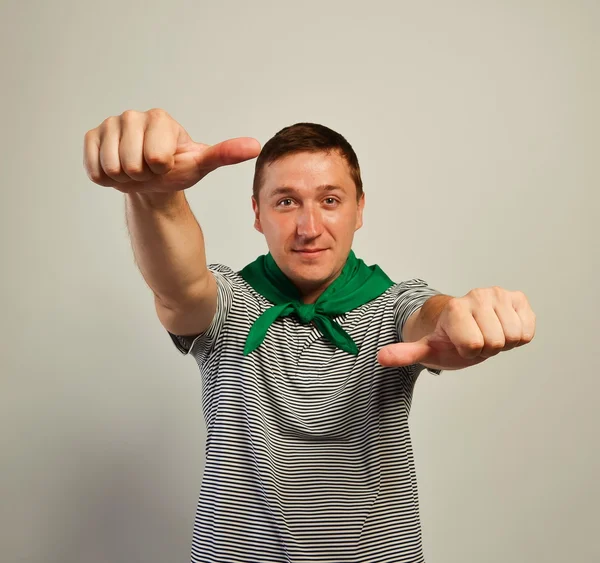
(309, 223)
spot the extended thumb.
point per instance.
(403, 353)
(229, 152)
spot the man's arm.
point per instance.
(424, 320)
(151, 158)
(168, 246)
(458, 332)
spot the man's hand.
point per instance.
(150, 152)
(469, 330)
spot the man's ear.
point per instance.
(359, 215)
(257, 224)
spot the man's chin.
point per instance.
(310, 277)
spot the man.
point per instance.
(308, 356)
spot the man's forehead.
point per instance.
(308, 170)
(309, 158)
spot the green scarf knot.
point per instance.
(356, 285)
(305, 311)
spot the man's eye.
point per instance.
(331, 200)
(285, 202)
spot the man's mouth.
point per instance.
(309, 251)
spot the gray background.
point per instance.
(476, 126)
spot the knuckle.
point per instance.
(512, 340)
(477, 293)
(500, 294)
(108, 121)
(112, 169)
(159, 163)
(521, 297)
(135, 169)
(473, 345)
(455, 304)
(156, 158)
(94, 176)
(129, 115)
(156, 113)
(469, 350)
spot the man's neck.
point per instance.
(311, 295)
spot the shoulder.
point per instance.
(408, 284)
(226, 277)
(223, 270)
(406, 290)
(231, 283)
(415, 287)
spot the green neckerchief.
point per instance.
(356, 285)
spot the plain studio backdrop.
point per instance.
(476, 126)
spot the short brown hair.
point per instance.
(305, 137)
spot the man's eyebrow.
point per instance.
(286, 190)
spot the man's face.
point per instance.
(308, 212)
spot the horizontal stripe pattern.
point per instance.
(308, 451)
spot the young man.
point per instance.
(308, 356)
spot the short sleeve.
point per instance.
(410, 296)
(201, 344)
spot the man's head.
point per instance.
(308, 201)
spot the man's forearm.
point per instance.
(168, 244)
(426, 318)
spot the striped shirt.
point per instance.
(308, 451)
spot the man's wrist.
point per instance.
(159, 201)
(428, 316)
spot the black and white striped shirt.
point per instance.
(308, 451)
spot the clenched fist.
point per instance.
(150, 152)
